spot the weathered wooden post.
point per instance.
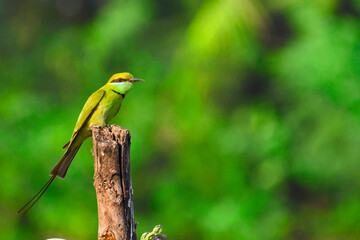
(111, 151)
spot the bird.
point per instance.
(98, 110)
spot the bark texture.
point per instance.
(111, 151)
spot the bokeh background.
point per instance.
(247, 127)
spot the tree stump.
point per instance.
(112, 181)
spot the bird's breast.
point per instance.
(106, 110)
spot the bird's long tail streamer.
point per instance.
(37, 196)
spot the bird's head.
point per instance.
(122, 82)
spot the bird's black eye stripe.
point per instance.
(123, 95)
(118, 80)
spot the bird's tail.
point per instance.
(59, 170)
(62, 166)
(35, 198)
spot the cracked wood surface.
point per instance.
(112, 181)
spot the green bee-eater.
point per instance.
(98, 110)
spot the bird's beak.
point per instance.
(135, 80)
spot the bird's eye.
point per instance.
(118, 80)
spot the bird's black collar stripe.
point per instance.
(123, 95)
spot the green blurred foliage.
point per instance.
(247, 126)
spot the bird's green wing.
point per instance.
(89, 107)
